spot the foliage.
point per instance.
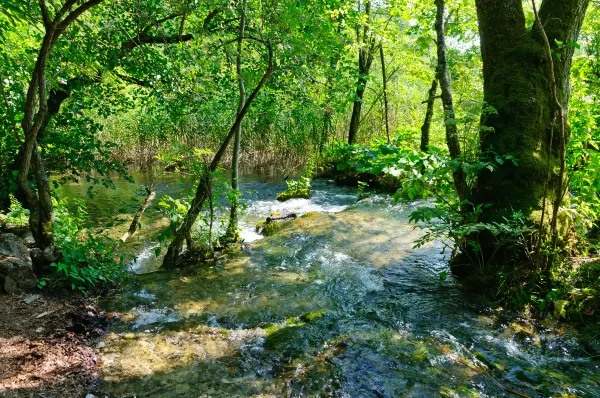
(195, 164)
(87, 257)
(16, 215)
(461, 230)
(299, 188)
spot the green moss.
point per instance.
(297, 189)
(312, 316)
(310, 214)
(270, 228)
(293, 194)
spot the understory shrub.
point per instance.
(88, 258)
(299, 188)
(16, 215)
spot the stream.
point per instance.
(339, 305)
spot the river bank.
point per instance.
(47, 341)
(338, 303)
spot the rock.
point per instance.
(11, 245)
(31, 298)
(8, 284)
(16, 271)
(52, 254)
(37, 256)
(90, 396)
(40, 264)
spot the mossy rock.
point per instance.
(270, 228)
(296, 194)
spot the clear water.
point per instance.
(338, 305)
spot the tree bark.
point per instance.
(452, 139)
(428, 116)
(385, 98)
(232, 234)
(203, 190)
(366, 44)
(516, 84)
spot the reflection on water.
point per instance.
(338, 305)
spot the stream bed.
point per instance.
(339, 305)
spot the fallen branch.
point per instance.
(290, 216)
(133, 227)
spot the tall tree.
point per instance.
(366, 50)
(517, 84)
(203, 191)
(39, 201)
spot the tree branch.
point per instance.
(145, 39)
(132, 80)
(211, 15)
(76, 13)
(64, 9)
(45, 16)
(161, 21)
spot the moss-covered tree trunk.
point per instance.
(517, 85)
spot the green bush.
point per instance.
(298, 188)
(88, 257)
(16, 215)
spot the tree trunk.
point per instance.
(428, 116)
(39, 201)
(203, 190)
(517, 85)
(356, 109)
(366, 45)
(135, 223)
(385, 98)
(452, 139)
(232, 234)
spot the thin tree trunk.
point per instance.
(232, 234)
(203, 189)
(385, 98)
(135, 223)
(560, 114)
(452, 139)
(425, 128)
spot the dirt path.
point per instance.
(45, 345)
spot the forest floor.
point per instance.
(46, 341)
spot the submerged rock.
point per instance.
(274, 223)
(16, 271)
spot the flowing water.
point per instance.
(339, 305)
